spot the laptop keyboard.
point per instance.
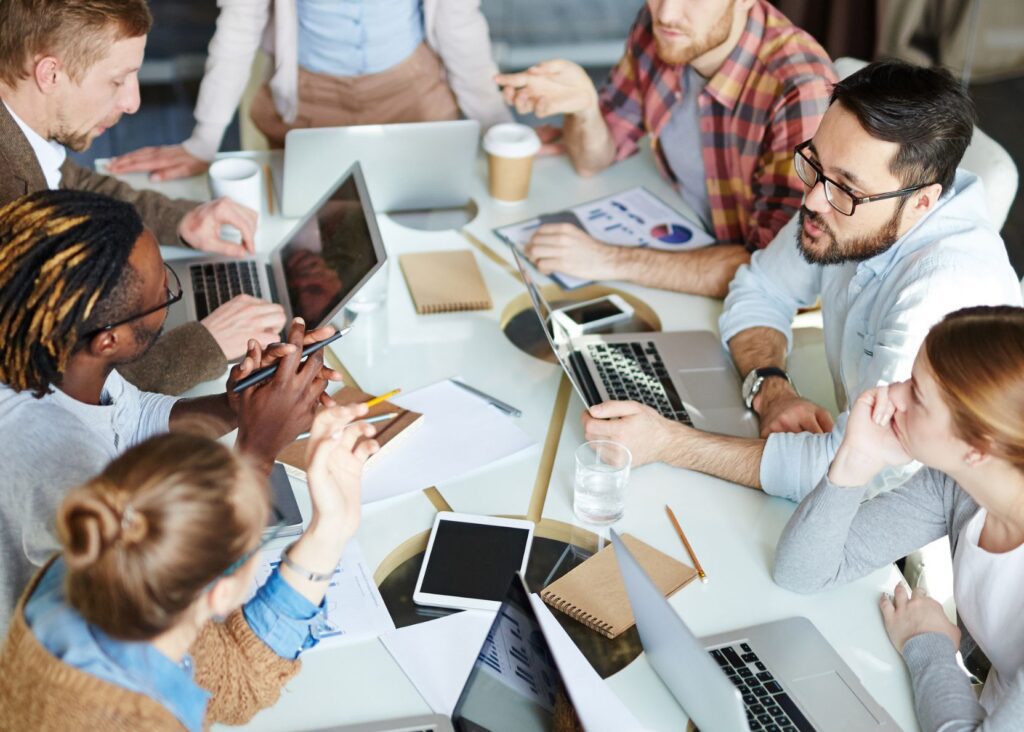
(215, 284)
(636, 371)
(769, 708)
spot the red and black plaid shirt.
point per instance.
(767, 97)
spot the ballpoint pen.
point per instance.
(506, 408)
(266, 372)
(368, 420)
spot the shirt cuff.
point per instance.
(282, 618)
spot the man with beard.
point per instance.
(68, 71)
(890, 237)
(723, 89)
(84, 291)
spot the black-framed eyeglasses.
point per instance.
(174, 294)
(268, 536)
(839, 196)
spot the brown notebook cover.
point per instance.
(388, 433)
(593, 593)
(445, 282)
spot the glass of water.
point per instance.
(599, 490)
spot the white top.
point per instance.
(51, 445)
(876, 314)
(989, 593)
(455, 29)
(50, 154)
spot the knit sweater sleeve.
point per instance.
(240, 671)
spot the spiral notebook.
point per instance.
(445, 282)
(593, 593)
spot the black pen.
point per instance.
(267, 371)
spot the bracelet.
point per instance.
(302, 571)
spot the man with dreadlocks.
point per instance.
(84, 291)
(68, 71)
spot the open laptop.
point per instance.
(685, 375)
(312, 273)
(408, 167)
(515, 682)
(775, 676)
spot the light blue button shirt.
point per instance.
(277, 614)
(356, 37)
(876, 313)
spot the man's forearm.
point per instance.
(707, 271)
(214, 410)
(735, 459)
(588, 141)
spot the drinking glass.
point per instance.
(602, 473)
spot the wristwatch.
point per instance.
(752, 383)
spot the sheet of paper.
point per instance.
(633, 218)
(460, 433)
(598, 707)
(438, 655)
(354, 608)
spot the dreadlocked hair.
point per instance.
(62, 255)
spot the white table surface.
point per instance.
(733, 529)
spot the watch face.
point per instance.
(748, 388)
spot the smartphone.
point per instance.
(592, 316)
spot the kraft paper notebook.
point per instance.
(389, 434)
(593, 593)
(445, 282)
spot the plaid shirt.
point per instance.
(767, 98)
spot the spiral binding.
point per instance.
(578, 614)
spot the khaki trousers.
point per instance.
(413, 91)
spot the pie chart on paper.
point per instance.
(671, 233)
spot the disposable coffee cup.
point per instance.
(238, 179)
(510, 151)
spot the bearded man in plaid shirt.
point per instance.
(724, 90)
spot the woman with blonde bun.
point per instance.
(141, 623)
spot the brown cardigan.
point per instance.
(182, 357)
(40, 693)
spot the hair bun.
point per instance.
(88, 526)
(134, 526)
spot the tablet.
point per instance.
(470, 560)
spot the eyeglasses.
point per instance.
(268, 536)
(173, 296)
(839, 196)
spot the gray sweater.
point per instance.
(833, 538)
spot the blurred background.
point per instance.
(980, 41)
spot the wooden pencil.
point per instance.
(686, 543)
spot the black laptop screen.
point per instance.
(329, 256)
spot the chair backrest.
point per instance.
(984, 157)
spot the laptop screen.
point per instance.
(332, 253)
(514, 683)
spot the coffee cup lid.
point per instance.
(511, 140)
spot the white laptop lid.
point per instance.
(675, 654)
(414, 166)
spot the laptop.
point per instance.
(782, 675)
(408, 167)
(328, 255)
(515, 682)
(685, 375)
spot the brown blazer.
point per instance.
(181, 358)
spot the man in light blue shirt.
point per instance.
(890, 237)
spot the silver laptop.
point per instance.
(776, 676)
(515, 683)
(328, 255)
(685, 375)
(408, 167)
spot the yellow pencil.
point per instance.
(382, 398)
(268, 175)
(689, 549)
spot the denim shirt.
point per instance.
(356, 37)
(277, 614)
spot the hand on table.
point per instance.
(793, 413)
(906, 616)
(165, 162)
(200, 227)
(645, 433)
(241, 319)
(568, 249)
(551, 87)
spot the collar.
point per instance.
(50, 155)
(880, 264)
(731, 76)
